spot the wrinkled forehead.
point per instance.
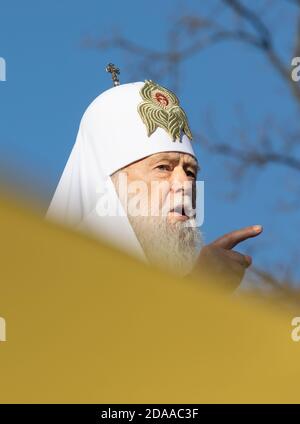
(175, 157)
(171, 157)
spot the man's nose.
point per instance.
(178, 179)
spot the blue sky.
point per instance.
(52, 77)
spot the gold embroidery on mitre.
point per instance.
(160, 108)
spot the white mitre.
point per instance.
(113, 133)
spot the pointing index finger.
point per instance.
(230, 240)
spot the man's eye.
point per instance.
(163, 167)
(191, 174)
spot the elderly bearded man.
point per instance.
(138, 132)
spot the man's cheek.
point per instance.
(166, 202)
(154, 200)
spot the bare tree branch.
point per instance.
(189, 36)
(264, 43)
(253, 19)
(256, 158)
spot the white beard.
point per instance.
(174, 246)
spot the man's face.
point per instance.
(167, 185)
(161, 188)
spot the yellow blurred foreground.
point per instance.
(86, 323)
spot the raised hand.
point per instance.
(219, 263)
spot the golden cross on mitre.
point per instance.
(114, 71)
